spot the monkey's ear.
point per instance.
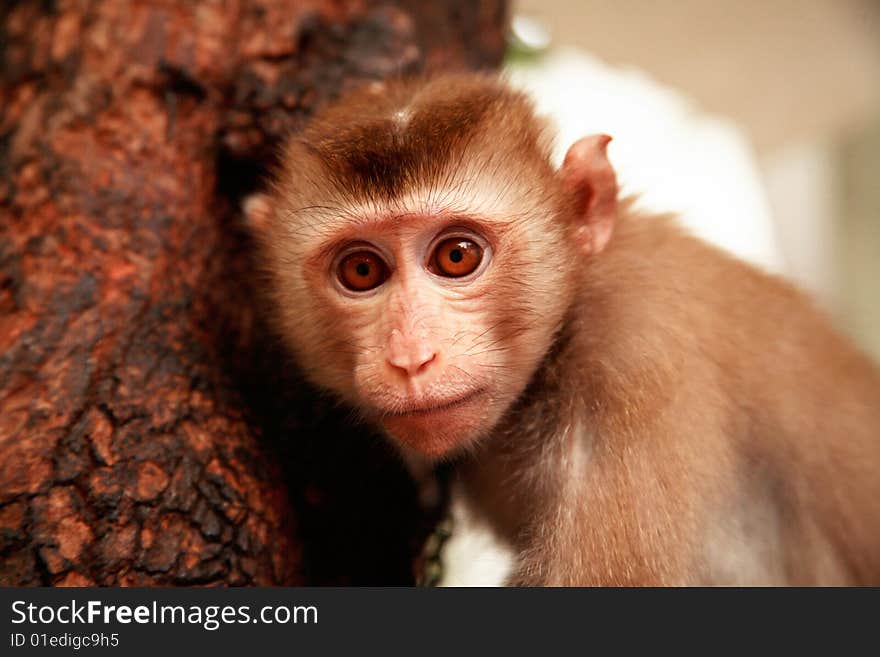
(589, 178)
(257, 212)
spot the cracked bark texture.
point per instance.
(151, 431)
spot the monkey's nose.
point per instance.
(413, 366)
(411, 356)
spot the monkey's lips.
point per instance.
(436, 426)
(426, 407)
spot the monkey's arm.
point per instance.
(623, 522)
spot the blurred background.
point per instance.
(759, 121)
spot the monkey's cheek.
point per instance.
(440, 433)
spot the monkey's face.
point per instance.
(430, 323)
(422, 251)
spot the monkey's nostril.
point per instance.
(421, 368)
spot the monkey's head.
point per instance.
(422, 251)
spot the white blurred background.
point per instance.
(758, 120)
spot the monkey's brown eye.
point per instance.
(456, 257)
(362, 270)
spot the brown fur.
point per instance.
(703, 385)
(686, 419)
(365, 151)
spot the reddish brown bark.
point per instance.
(150, 431)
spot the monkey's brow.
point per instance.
(354, 225)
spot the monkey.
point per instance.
(622, 403)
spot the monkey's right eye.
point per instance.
(362, 271)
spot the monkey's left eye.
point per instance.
(362, 271)
(456, 257)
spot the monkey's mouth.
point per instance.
(437, 426)
(421, 408)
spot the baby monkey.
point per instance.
(624, 404)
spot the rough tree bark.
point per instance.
(150, 431)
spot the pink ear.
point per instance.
(589, 178)
(257, 212)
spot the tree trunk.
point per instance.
(150, 431)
